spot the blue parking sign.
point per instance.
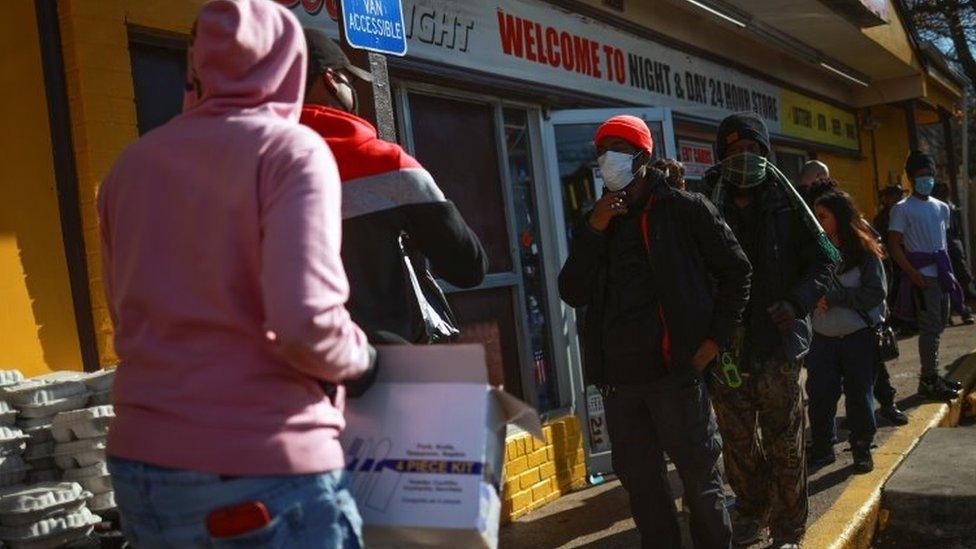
(375, 25)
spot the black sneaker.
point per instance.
(952, 384)
(818, 460)
(863, 462)
(968, 320)
(934, 387)
(893, 414)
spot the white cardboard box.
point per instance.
(425, 447)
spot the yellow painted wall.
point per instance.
(95, 47)
(856, 176)
(37, 319)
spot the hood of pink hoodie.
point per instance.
(245, 55)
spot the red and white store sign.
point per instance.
(697, 156)
(537, 42)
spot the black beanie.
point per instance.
(918, 160)
(743, 125)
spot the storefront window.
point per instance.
(487, 317)
(158, 73)
(530, 253)
(455, 141)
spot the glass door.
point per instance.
(574, 185)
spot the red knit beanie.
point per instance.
(629, 128)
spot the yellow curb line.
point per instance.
(850, 522)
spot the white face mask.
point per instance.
(617, 169)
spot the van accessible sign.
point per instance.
(537, 42)
(375, 25)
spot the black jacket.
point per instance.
(386, 192)
(789, 266)
(700, 276)
(381, 296)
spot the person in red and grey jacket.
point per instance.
(385, 192)
(664, 282)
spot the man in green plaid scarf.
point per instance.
(762, 419)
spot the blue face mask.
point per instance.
(924, 185)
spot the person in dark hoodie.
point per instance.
(792, 260)
(664, 282)
(388, 198)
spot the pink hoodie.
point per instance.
(220, 247)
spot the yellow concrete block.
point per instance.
(538, 444)
(547, 470)
(521, 501)
(529, 478)
(541, 490)
(579, 458)
(547, 434)
(516, 467)
(506, 513)
(509, 489)
(579, 472)
(512, 450)
(536, 458)
(550, 453)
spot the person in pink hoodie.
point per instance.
(220, 247)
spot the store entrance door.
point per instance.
(574, 185)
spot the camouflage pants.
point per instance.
(762, 426)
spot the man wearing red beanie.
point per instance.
(665, 283)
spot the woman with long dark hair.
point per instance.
(844, 351)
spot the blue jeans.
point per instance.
(835, 364)
(169, 507)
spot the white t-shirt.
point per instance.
(923, 224)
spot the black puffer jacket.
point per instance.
(700, 275)
(790, 265)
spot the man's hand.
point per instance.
(608, 207)
(783, 315)
(822, 305)
(706, 353)
(917, 279)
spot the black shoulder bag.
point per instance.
(886, 342)
(433, 319)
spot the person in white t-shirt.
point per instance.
(917, 242)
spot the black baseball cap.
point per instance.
(324, 53)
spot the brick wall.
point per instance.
(540, 471)
(95, 46)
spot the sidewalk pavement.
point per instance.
(599, 516)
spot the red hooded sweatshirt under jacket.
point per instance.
(385, 193)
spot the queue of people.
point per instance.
(298, 259)
(797, 277)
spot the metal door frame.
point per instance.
(563, 317)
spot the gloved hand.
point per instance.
(356, 387)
